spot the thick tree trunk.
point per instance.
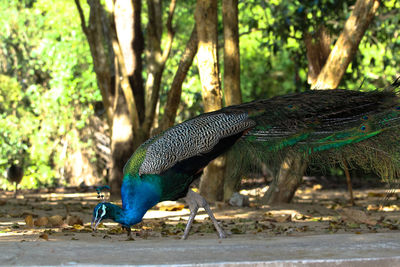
(121, 144)
(286, 181)
(207, 54)
(347, 44)
(122, 112)
(130, 37)
(207, 59)
(232, 93)
(232, 179)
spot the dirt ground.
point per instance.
(65, 214)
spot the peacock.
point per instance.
(324, 126)
(14, 175)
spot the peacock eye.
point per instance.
(363, 128)
(365, 118)
(398, 108)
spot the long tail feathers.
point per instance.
(326, 127)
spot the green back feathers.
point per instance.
(133, 164)
(137, 158)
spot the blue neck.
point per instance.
(138, 194)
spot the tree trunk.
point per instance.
(101, 59)
(121, 144)
(130, 38)
(347, 44)
(119, 72)
(207, 54)
(232, 93)
(121, 109)
(286, 181)
(207, 59)
(156, 57)
(174, 94)
(232, 179)
(318, 48)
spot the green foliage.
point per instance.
(273, 55)
(272, 51)
(47, 87)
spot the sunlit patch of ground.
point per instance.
(314, 211)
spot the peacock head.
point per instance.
(103, 210)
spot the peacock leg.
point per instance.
(195, 201)
(348, 180)
(128, 231)
(193, 212)
(15, 189)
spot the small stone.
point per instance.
(239, 200)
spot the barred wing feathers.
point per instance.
(191, 138)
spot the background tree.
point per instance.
(347, 45)
(232, 92)
(130, 105)
(174, 94)
(206, 17)
(289, 177)
(231, 81)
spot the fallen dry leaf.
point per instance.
(72, 220)
(390, 208)
(358, 216)
(78, 227)
(3, 202)
(44, 236)
(377, 194)
(317, 187)
(56, 221)
(282, 218)
(41, 221)
(372, 207)
(29, 221)
(176, 207)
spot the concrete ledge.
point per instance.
(240, 250)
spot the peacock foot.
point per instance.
(196, 201)
(128, 231)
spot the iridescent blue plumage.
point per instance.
(139, 194)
